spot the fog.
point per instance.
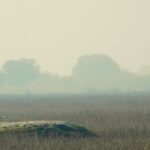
(57, 32)
(91, 74)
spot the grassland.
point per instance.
(121, 121)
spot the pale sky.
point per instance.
(57, 32)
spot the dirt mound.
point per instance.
(45, 128)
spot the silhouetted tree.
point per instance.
(1, 78)
(19, 72)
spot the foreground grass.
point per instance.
(34, 143)
(122, 122)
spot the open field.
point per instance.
(121, 121)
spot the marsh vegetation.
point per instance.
(122, 122)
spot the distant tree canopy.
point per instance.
(19, 72)
(1, 78)
(95, 73)
(99, 66)
(92, 74)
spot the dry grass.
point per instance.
(122, 121)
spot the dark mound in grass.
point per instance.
(45, 128)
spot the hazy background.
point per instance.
(92, 74)
(56, 33)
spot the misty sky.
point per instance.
(57, 32)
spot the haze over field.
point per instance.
(57, 33)
(75, 74)
(91, 74)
